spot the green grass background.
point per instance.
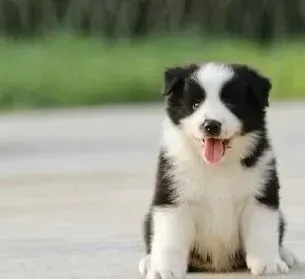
(73, 71)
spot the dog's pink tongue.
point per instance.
(212, 150)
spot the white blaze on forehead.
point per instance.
(212, 76)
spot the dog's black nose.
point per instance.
(212, 128)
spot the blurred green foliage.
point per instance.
(73, 71)
(258, 20)
(117, 49)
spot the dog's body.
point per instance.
(216, 203)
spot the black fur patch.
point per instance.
(261, 146)
(164, 194)
(238, 98)
(270, 194)
(246, 96)
(182, 92)
(175, 77)
(196, 261)
(204, 263)
(282, 227)
(148, 232)
(257, 85)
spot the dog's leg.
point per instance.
(144, 265)
(173, 232)
(260, 234)
(288, 257)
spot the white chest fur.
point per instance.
(215, 200)
(217, 229)
(214, 195)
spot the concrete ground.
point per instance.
(74, 186)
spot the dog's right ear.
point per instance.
(174, 78)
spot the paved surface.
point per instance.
(74, 187)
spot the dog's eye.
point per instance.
(195, 105)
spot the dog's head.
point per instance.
(214, 103)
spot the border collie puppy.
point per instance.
(216, 203)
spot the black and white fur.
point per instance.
(219, 217)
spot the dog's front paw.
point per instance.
(288, 257)
(144, 265)
(165, 274)
(164, 267)
(260, 266)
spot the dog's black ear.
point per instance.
(174, 78)
(262, 94)
(258, 85)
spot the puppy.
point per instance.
(216, 203)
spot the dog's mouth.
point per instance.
(213, 149)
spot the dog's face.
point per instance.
(215, 103)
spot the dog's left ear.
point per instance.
(258, 85)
